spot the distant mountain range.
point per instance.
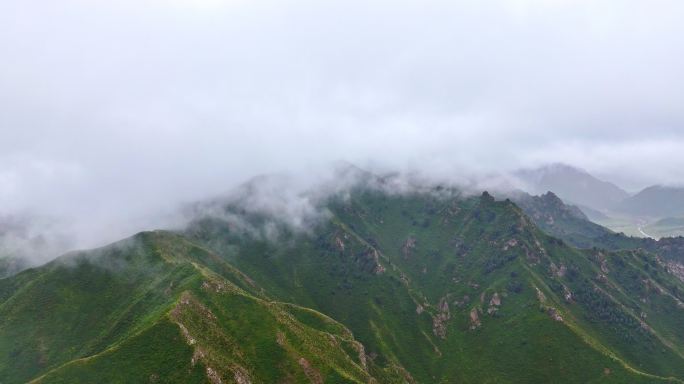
(573, 185)
(655, 201)
(599, 199)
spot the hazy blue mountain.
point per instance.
(573, 185)
(561, 220)
(655, 201)
(593, 214)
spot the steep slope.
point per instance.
(573, 185)
(149, 309)
(556, 218)
(560, 220)
(446, 287)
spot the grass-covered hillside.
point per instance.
(429, 287)
(150, 309)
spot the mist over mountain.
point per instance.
(391, 281)
(112, 125)
(651, 212)
(29, 240)
(341, 191)
(573, 185)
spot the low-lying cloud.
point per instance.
(114, 113)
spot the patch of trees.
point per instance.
(495, 262)
(572, 273)
(600, 309)
(484, 215)
(514, 286)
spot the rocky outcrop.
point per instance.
(474, 319)
(554, 314)
(510, 244)
(215, 378)
(494, 304)
(311, 373)
(558, 271)
(676, 269)
(439, 321)
(495, 300)
(603, 263)
(379, 268)
(241, 377)
(567, 294)
(408, 247)
(540, 296)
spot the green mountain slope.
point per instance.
(428, 287)
(426, 268)
(562, 221)
(149, 310)
(556, 218)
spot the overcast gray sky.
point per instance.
(109, 109)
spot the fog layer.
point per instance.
(112, 113)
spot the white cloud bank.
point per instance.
(111, 111)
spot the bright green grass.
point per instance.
(159, 354)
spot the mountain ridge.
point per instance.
(424, 282)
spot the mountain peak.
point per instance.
(655, 201)
(551, 197)
(573, 185)
(486, 197)
(562, 167)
